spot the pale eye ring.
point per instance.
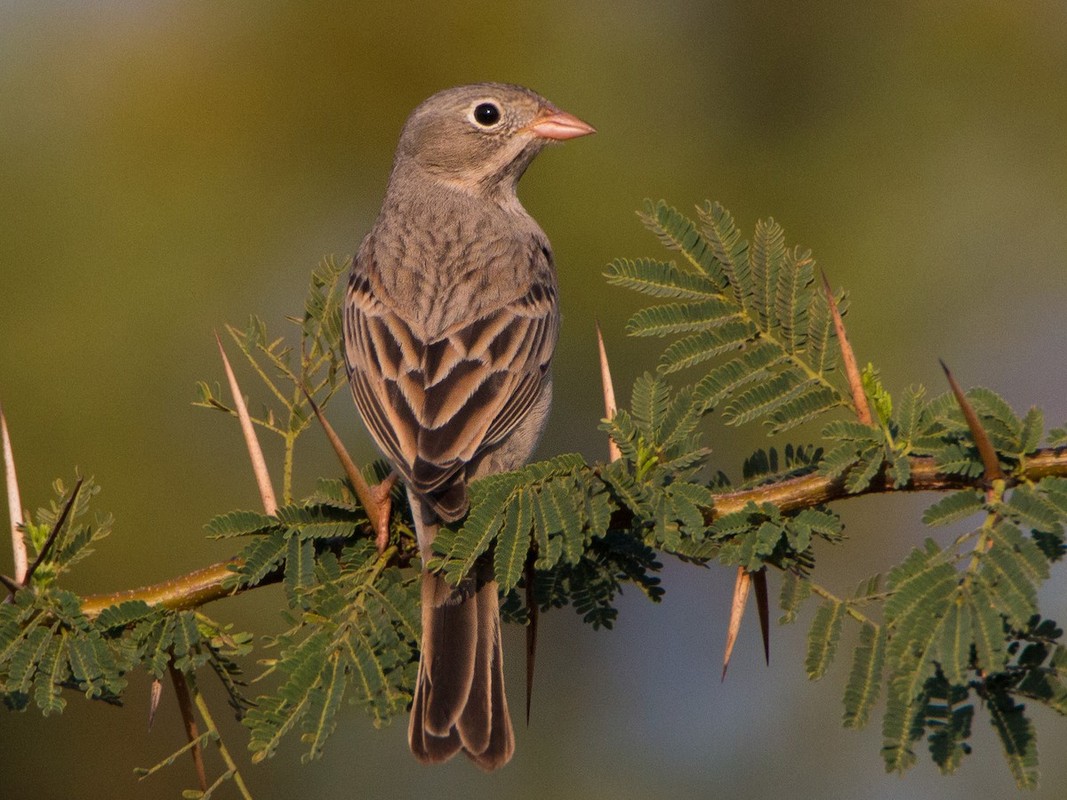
(486, 114)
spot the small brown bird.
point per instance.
(450, 322)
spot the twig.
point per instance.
(192, 731)
(205, 713)
(531, 632)
(215, 582)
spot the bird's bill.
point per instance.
(559, 125)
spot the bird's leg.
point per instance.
(380, 493)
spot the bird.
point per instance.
(450, 320)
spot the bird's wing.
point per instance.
(433, 406)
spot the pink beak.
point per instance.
(552, 123)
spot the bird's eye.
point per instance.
(486, 114)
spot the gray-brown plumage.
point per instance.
(450, 323)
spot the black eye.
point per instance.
(486, 114)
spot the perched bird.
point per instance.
(450, 322)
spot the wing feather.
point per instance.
(434, 406)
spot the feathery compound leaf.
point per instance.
(1032, 429)
(987, 629)
(955, 641)
(728, 248)
(261, 556)
(908, 413)
(765, 260)
(753, 365)
(681, 419)
(317, 522)
(122, 614)
(1017, 737)
(705, 345)
(473, 539)
(950, 723)
(677, 232)
(865, 679)
(513, 543)
(660, 279)
(1009, 570)
(812, 402)
(240, 523)
(649, 404)
(954, 507)
(52, 673)
(323, 702)
(922, 588)
(1057, 437)
(676, 318)
(822, 638)
(795, 590)
(821, 355)
(1032, 508)
(764, 398)
(274, 716)
(299, 566)
(793, 299)
(903, 724)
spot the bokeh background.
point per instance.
(167, 167)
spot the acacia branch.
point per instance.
(204, 585)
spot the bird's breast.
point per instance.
(440, 270)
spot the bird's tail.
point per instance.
(459, 701)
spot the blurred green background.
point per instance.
(167, 167)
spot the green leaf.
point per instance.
(52, 672)
(955, 640)
(675, 318)
(240, 523)
(261, 557)
(299, 566)
(822, 638)
(679, 233)
(903, 724)
(1017, 738)
(765, 261)
(949, 722)
(765, 398)
(728, 249)
(514, 542)
(865, 678)
(704, 345)
(795, 590)
(954, 507)
(723, 381)
(988, 632)
(812, 402)
(317, 522)
(323, 702)
(793, 297)
(123, 614)
(1032, 429)
(660, 279)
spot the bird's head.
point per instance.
(482, 137)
